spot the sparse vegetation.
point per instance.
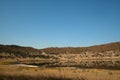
(26, 73)
(111, 50)
(23, 77)
(10, 72)
(12, 54)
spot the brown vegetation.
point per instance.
(98, 51)
(75, 50)
(10, 72)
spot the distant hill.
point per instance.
(15, 51)
(75, 50)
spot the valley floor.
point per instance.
(12, 72)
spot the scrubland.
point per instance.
(12, 72)
(106, 57)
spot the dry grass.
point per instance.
(26, 77)
(10, 72)
(27, 73)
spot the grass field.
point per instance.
(12, 72)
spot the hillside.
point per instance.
(97, 51)
(14, 51)
(75, 50)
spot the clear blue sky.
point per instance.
(59, 23)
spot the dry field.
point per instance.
(12, 72)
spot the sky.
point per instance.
(59, 23)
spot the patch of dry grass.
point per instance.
(10, 72)
(28, 73)
(26, 77)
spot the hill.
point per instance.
(75, 50)
(98, 51)
(15, 51)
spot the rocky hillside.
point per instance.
(75, 50)
(111, 50)
(14, 51)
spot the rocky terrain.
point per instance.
(104, 51)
